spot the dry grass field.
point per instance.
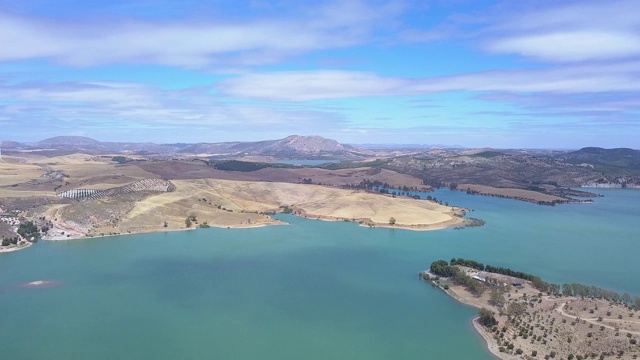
(219, 198)
(15, 171)
(227, 203)
(242, 197)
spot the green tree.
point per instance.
(392, 221)
(442, 268)
(120, 159)
(485, 317)
(187, 222)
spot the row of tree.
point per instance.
(444, 269)
(472, 285)
(595, 292)
(536, 281)
(468, 263)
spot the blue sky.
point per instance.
(534, 74)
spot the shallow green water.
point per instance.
(312, 290)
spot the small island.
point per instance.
(522, 317)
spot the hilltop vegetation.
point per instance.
(624, 160)
(546, 173)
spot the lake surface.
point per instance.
(311, 290)
(306, 162)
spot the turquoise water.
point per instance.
(312, 290)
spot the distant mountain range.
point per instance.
(291, 147)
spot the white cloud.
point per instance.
(568, 79)
(330, 84)
(191, 43)
(579, 32)
(571, 46)
(311, 85)
(127, 105)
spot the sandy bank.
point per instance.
(492, 344)
(6, 249)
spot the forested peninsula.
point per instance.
(523, 317)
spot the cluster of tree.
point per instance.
(472, 285)
(120, 159)
(441, 265)
(489, 268)
(509, 272)
(442, 268)
(536, 281)
(486, 318)
(587, 291)
(434, 183)
(434, 199)
(367, 184)
(385, 188)
(190, 220)
(286, 210)
(471, 221)
(29, 231)
(8, 241)
(243, 166)
(468, 263)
